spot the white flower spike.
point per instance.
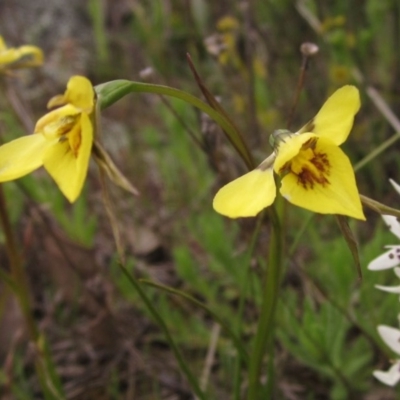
(391, 258)
(391, 336)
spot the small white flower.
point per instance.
(391, 336)
(386, 260)
(390, 377)
(391, 258)
(395, 185)
(391, 289)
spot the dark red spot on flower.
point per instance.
(318, 169)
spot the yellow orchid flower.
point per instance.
(62, 141)
(315, 173)
(20, 57)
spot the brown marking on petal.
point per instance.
(316, 170)
(391, 256)
(307, 179)
(285, 169)
(75, 140)
(69, 129)
(310, 144)
(66, 124)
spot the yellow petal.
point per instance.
(24, 56)
(79, 93)
(57, 101)
(22, 156)
(339, 195)
(3, 46)
(8, 57)
(29, 56)
(69, 171)
(246, 196)
(335, 119)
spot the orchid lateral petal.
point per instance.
(335, 119)
(69, 170)
(22, 156)
(247, 195)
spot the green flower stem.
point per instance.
(110, 92)
(18, 283)
(270, 298)
(161, 323)
(21, 287)
(136, 285)
(377, 151)
(242, 301)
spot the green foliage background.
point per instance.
(326, 344)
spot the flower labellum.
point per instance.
(315, 173)
(62, 141)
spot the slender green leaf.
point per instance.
(110, 92)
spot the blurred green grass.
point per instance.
(326, 324)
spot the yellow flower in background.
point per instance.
(224, 43)
(227, 23)
(332, 23)
(19, 57)
(339, 74)
(62, 141)
(315, 173)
